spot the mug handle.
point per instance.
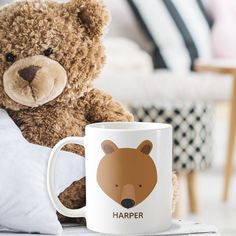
(73, 213)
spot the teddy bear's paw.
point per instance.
(73, 197)
(81, 221)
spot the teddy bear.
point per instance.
(50, 53)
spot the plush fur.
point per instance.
(50, 95)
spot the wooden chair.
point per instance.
(225, 67)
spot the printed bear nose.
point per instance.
(127, 203)
(29, 73)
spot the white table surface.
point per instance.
(178, 228)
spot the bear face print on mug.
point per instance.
(128, 177)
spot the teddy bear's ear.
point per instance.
(92, 14)
(145, 147)
(108, 147)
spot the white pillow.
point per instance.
(124, 24)
(125, 57)
(24, 202)
(178, 29)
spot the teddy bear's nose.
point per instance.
(127, 203)
(29, 73)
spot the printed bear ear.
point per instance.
(92, 14)
(145, 147)
(108, 146)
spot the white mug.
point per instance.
(128, 177)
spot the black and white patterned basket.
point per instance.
(192, 131)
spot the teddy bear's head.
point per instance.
(49, 51)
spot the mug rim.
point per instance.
(128, 126)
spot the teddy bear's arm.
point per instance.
(103, 108)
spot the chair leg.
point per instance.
(192, 192)
(177, 210)
(231, 142)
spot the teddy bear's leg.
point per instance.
(73, 197)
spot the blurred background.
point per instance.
(174, 61)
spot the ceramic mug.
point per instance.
(128, 177)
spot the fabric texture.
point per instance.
(188, 36)
(125, 55)
(126, 26)
(192, 131)
(24, 202)
(164, 85)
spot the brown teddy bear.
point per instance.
(50, 53)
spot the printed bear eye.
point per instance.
(10, 57)
(116, 185)
(140, 186)
(48, 52)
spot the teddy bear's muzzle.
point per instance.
(34, 81)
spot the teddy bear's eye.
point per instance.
(140, 186)
(10, 57)
(48, 52)
(116, 185)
